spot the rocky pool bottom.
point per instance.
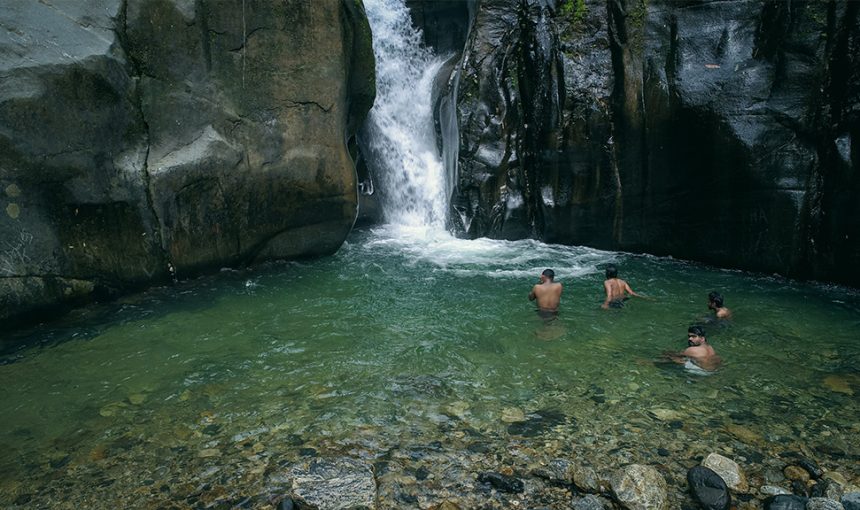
(410, 369)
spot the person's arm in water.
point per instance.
(533, 293)
(630, 291)
(677, 357)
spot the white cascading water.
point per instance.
(399, 142)
(399, 132)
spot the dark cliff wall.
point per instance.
(719, 131)
(140, 138)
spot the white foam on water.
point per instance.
(485, 257)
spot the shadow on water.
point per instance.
(196, 295)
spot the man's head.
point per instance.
(715, 300)
(611, 271)
(695, 335)
(547, 275)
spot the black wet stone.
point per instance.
(708, 488)
(501, 483)
(287, 504)
(421, 473)
(381, 467)
(211, 430)
(742, 416)
(676, 424)
(58, 463)
(799, 488)
(537, 423)
(785, 502)
(819, 489)
(23, 499)
(811, 467)
(407, 498)
(308, 452)
(754, 456)
(478, 448)
(851, 501)
(663, 452)
(600, 399)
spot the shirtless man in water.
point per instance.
(547, 293)
(715, 303)
(699, 352)
(616, 289)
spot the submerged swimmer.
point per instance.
(715, 303)
(616, 289)
(548, 295)
(699, 354)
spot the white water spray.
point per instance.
(399, 138)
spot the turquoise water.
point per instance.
(406, 337)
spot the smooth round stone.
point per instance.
(772, 490)
(728, 470)
(708, 488)
(513, 415)
(137, 398)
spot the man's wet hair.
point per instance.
(715, 298)
(549, 273)
(696, 330)
(611, 271)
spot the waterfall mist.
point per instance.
(398, 138)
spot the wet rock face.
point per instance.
(150, 136)
(444, 23)
(620, 124)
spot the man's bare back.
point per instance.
(547, 292)
(616, 290)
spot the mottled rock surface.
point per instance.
(639, 487)
(142, 138)
(728, 470)
(334, 483)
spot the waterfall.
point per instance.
(398, 137)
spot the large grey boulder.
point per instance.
(142, 138)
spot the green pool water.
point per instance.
(409, 337)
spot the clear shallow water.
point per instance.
(408, 337)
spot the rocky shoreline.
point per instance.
(536, 461)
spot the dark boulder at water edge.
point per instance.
(144, 137)
(724, 132)
(709, 490)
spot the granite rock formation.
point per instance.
(141, 138)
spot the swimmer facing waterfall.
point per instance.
(548, 295)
